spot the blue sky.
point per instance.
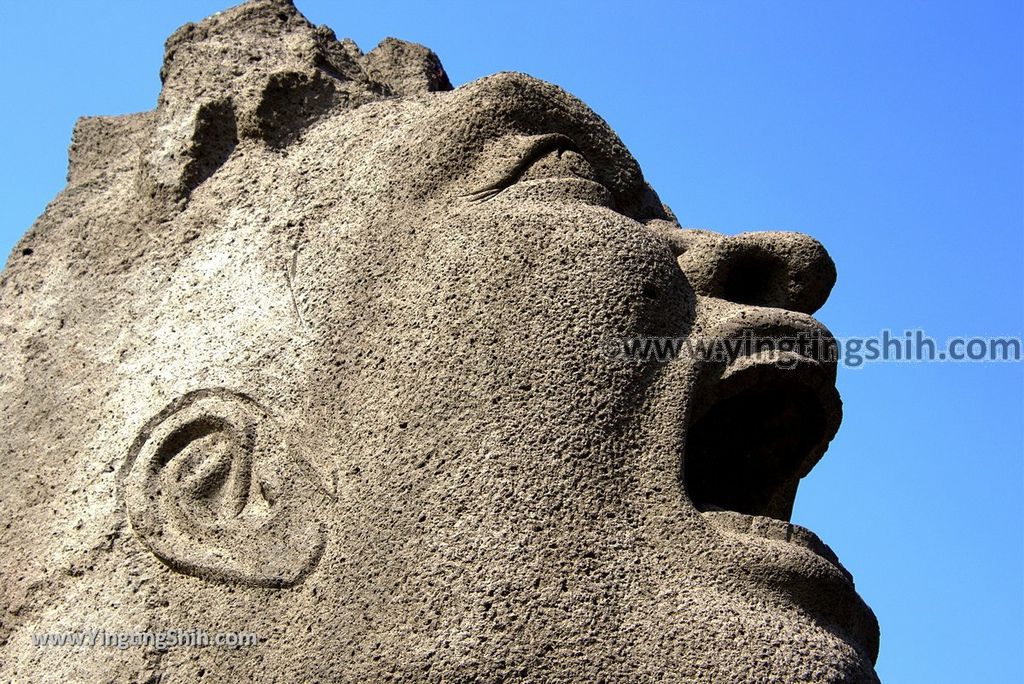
(891, 131)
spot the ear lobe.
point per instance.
(211, 490)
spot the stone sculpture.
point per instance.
(317, 350)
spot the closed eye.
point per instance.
(545, 156)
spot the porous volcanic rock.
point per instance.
(325, 351)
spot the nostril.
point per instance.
(771, 269)
(782, 270)
(756, 277)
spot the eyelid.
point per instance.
(535, 148)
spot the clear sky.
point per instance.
(891, 131)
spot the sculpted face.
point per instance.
(381, 416)
(556, 505)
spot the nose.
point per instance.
(774, 269)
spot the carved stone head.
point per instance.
(324, 350)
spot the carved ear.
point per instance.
(212, 491)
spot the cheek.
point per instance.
(480, 420)
(535, 292)
(575, 271)
(473, 360)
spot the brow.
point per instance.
(539, 108)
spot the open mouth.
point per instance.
(766, 420)
(763, 428)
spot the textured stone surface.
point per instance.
(316, 349)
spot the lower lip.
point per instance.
(760, 527)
